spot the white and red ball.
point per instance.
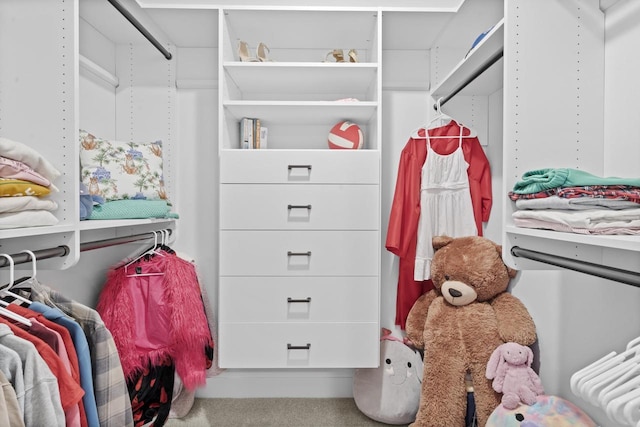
(346, 135)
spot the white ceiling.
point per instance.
(199, 27)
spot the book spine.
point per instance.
(264, 133)
(257, 132)
(250, 142)
(244, 134)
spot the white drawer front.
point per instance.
(297, 207)
(299, 253)
(315, 345)
(298, 299)
(303, 166)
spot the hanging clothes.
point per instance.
(445, 204)
(158, 317)
(10, 414)
(110, 387)
(405, 208)
(151, 394)
(35, 383)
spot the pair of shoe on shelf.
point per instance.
(261, 53)
(338, 56)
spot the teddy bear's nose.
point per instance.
(455, 293)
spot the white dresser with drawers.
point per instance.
(299, 259)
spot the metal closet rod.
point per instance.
(63, 250)
(141, 28)
(611, 273)
(484, 67)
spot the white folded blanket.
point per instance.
(26, 203)
(27, 155)
(591, 221)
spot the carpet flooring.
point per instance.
(281, 412)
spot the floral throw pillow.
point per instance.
(118, 170)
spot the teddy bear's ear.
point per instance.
(510, 271)
(439, 242)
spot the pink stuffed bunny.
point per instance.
(510, 368)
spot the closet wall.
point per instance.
(126, 89)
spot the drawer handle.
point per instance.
(306, 300)
(299, 207)
(289, 253)
(298, 347)
(308, 167)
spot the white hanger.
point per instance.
(591, 389)
(618, 396)
(33, 263)
(6, 290)
(164, 242)
(615, 408)
(615, 361)
(633, 343)
(578, 375)
(604, 364)
(631, 411)
(609, 380)
(441, 119)
(151, 251)
(3, 310)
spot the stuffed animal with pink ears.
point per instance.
(510, 369)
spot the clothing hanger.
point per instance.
(591, 389)
(151, 251)
(628, 392)
(164, 246)
(619, 395)
(603, 364)
(439, 120)
(603, 396)
(578, 375)
(8, 313)
(25, 282)
(631, 411)
(5, 290)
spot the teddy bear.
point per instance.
(510, 369)
(459, 323)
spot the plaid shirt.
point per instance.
(110, 387)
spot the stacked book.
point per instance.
(252, 134)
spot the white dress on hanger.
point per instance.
(445, 203)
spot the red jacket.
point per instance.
(405, 208)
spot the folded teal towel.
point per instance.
(132, 209)
(545, 179)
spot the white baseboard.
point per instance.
(279, 383)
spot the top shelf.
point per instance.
(296, 77)
(463, 74)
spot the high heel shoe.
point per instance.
(353, 55)
(337, 54)
(243, 53)
(262, 51)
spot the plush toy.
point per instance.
(510, 369)
(459, 323)
(390, 393)
(547, 411)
